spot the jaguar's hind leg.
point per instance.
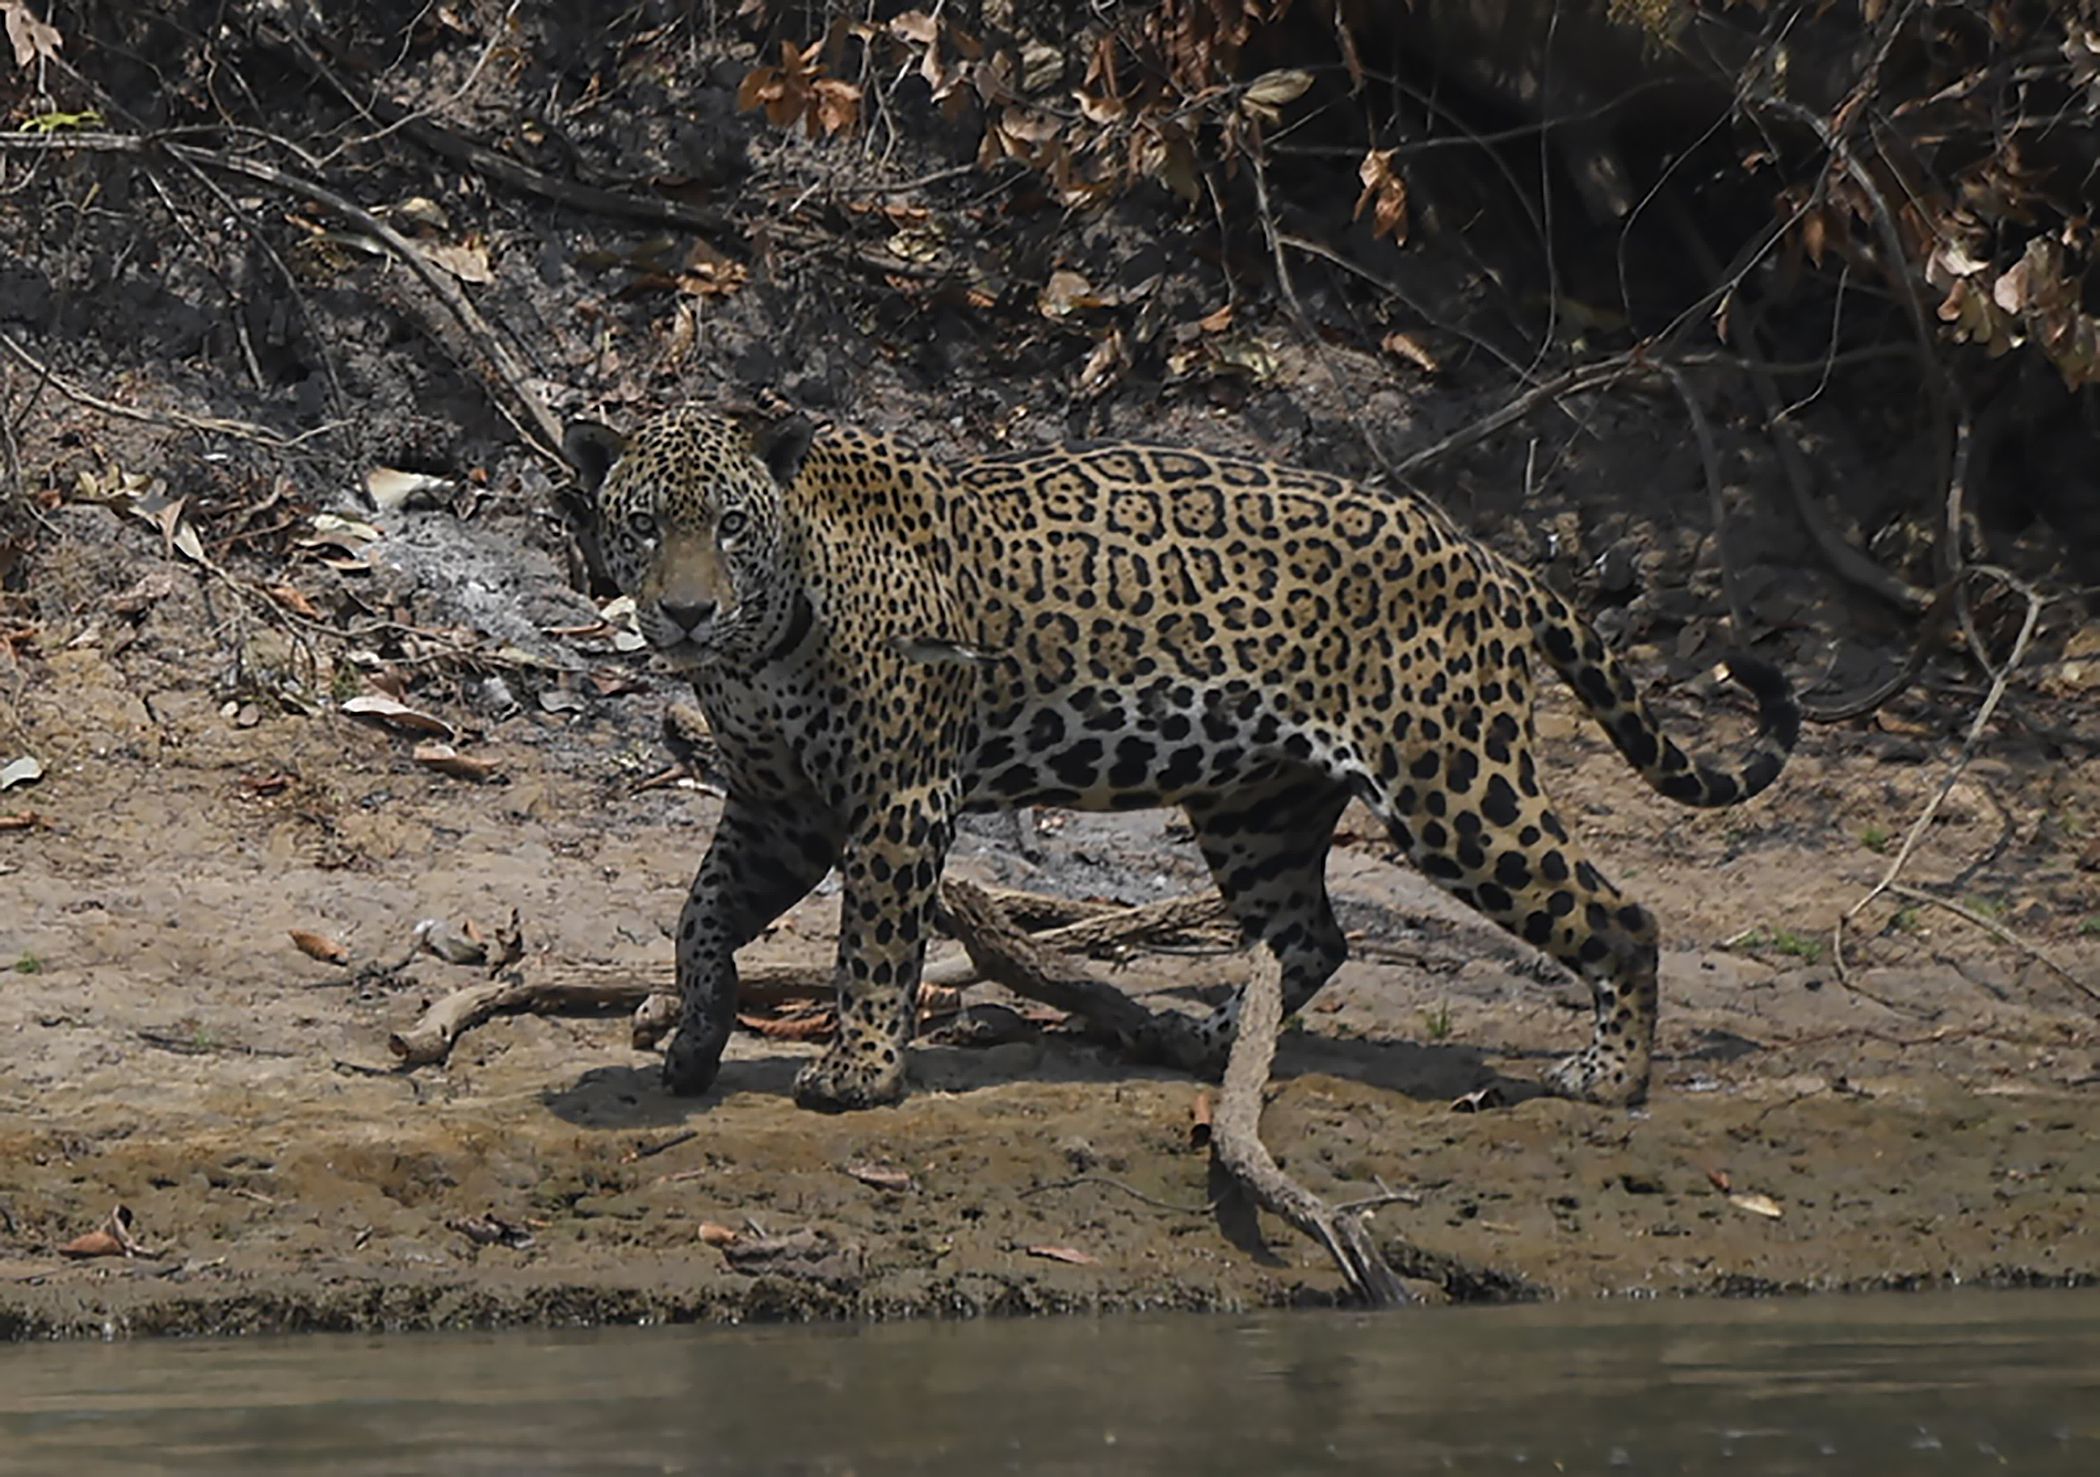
(1486, 835)
(1267, 852)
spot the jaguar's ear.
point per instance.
(782, 444)
(591, 449)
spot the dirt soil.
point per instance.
(1929, 1113)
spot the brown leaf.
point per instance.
(1071, 1255)
(510, 943)
(1720, 1180)
(1385, 193)
(819, 1026)
(1216, 322)
(1273, 89)
(939, 999)
(714, 1233)
(447, 760)
(396, 714)
(112, 1238)
(33, 40)
(881, 1177)
(1408, 347)
(834, 108)
(491, 1230)
(320, 946)
(1104, 366)
(915, 26)
(94, 1243)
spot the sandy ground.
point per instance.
(1931, 1117)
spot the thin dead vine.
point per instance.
(1970, 743)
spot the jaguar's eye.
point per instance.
(642, 525)
(731, 524)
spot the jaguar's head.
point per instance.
(692, 525)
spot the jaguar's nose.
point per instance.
(687, 617)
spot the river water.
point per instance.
(1945, 1383)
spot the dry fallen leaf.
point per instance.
(391, 488)
(466, 260)
(492, 1230)
(1069, 1254)
(94, 1243)
(714, 1233)
(510, 943)
(881, 1176)
(447, 760)
(819, 1025)
(291, 599)
(1066, 293)
(21, 772)
(33, 41)
(1757, 1204)
(320, 946)
(112, 1238)
(396, 714)
(421, 212)
(1720, 1180)
(1408, 347)
(1385, 194)
(455, 943)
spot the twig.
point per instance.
(1710, 460)
(540, 427)
(496, 166)
(1236, 1146)
(1885, 692)
(1602, 374)
(1998, 931)
(1847, 562)
(207, 424)
(1954, 774)
(1132, 1191)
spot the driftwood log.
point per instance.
(1236, 1146)
(1086, 927)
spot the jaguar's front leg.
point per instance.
(892, 871)
(764, 859)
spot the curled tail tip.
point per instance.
(1778, 713)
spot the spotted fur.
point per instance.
(881, 641)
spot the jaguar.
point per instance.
(882, 641)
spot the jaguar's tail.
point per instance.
(1580, 656)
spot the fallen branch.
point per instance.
(591, 987)
(1236, 1147)
(431, 1038)
(529, 414)
(1031, 967)
(313, 55)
